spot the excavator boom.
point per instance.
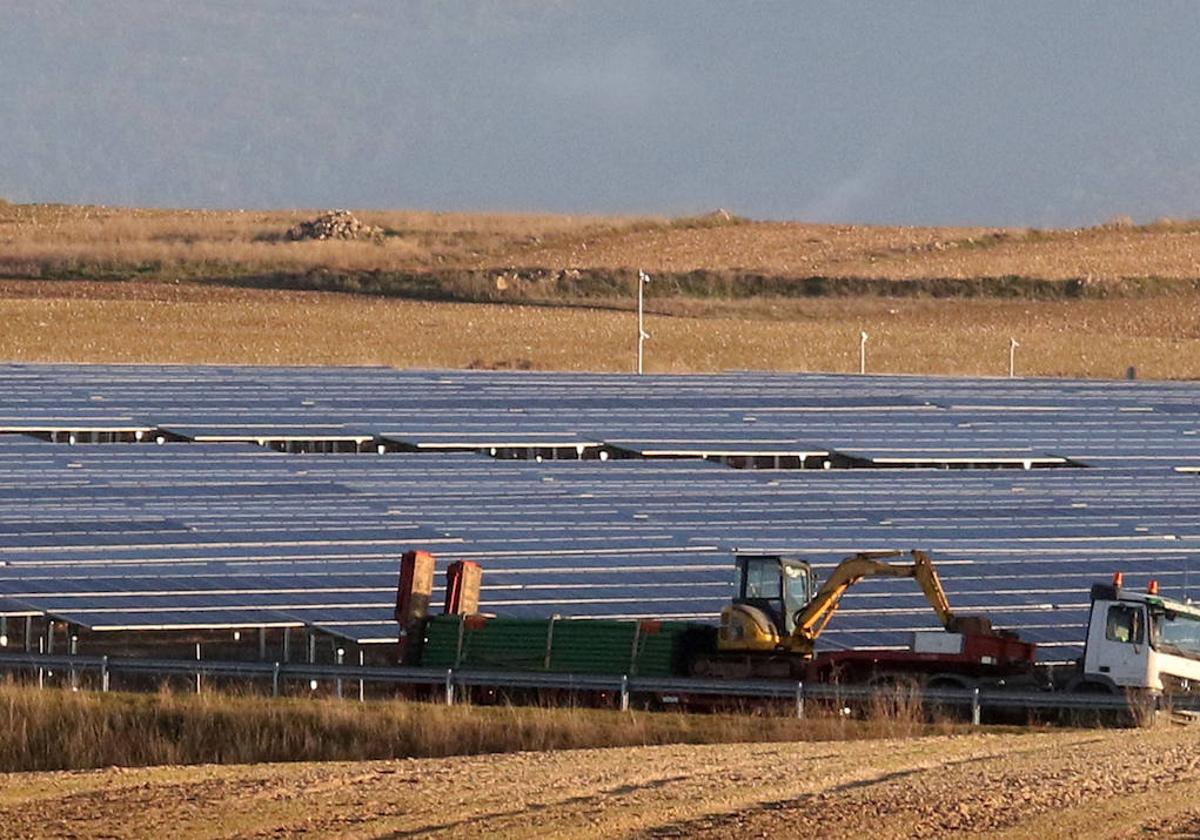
(812, 619)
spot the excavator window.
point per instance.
(797, 590)
(762, 579)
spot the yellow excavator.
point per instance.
(771, 627)
(775, 609)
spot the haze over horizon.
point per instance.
(1020, 113)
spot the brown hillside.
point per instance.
(789, 248)
(54, 240)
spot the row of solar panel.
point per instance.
(860, 417)
(580, 538)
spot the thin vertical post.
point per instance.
(41, 670)
(643, 279)
(624, 693)
(337, 684)
(362, 688)
(104, 673)
(28, 643)
(197, 667)
(800, 700)
(862, 351)
(73, 649)
(1013, 344)
(449, 686)
(975, 710)
(275, 680)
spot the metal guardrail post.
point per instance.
(337, 684)
(197, 667)
(624, 692)
(104, 673)
(800, 700)
(73, 650)
(275, 680)
(549, 641)
(362, 685)
(458, 650)
(449, 686)
(975, 709)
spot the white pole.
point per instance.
(862, 353)
(341, 657)
(1013, 344)
(643, 279)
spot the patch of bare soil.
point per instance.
(1095, 784)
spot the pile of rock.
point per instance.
(337, 224)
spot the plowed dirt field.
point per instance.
(1039, 785)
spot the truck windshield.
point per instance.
(1176, 632)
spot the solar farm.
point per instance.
(176, 501)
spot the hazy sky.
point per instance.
(1040, 113)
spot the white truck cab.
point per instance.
(1141, 641)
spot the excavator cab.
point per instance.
(770, 591)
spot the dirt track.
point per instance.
(1095, 784)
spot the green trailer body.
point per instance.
(561, 645)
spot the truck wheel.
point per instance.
(1089, 718)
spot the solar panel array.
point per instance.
(216, 535)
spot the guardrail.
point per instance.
(621, 687)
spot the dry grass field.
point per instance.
(157, 322)
(95, 284)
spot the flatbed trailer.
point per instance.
(1140, 645)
